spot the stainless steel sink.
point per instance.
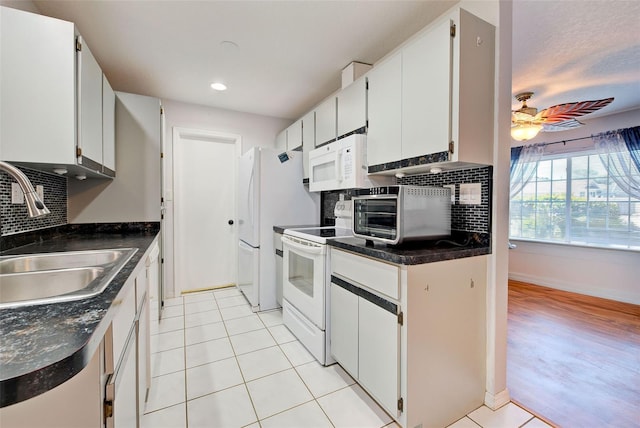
(58, 277)
(24, 286)
(49, 261)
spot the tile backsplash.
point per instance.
(464, 218)
(468, 218)
(14, 218)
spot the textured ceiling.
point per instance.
(568, 51)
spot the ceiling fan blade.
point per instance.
(561, 126)
(563, 112)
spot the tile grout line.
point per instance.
(244, 381)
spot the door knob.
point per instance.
(230, 222)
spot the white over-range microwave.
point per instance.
(341, 165)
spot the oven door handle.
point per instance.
(315, 249)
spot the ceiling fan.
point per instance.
(527, 121)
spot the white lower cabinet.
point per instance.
(379, 352)
(365, 340)
(128, 385)
(120, 396)
(421, 356)
(344, 330)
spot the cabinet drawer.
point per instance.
(123, 321)
(378, 276)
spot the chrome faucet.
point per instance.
(35, 206)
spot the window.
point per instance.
(572, 199)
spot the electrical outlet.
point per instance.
(470, 194)
(17, 197)
(453, 192)
(40, 192)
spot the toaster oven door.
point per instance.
(377, 218)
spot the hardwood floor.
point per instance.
(573, 359)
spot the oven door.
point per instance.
(304, 275)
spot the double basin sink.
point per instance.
(58, 277)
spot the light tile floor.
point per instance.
(216, 364)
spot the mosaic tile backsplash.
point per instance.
(468, 218)
(465, 218)
(14, 217)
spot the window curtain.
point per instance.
(524, 160)
(619, 152)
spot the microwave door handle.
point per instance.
(339, 166)
(303, 248)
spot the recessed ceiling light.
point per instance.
(219, 86)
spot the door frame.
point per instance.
(179, 133)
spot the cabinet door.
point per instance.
(294, 135)
(344, 328)
(122, 389)
(37, 77)
(326, 121)
(379, 349)
(89, 106)
(384, 135)
(108, 126)
(143, 356)
(308, 140)
(281, 140)
(143, 336)
(426, 88)
(352, 107)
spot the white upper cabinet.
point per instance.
(308, 140)
(326, 121)
(51, 111)
(352, 107)
(384, 96)
(426, 84)
(281, 140)
(445, 78)
(89, 107)
(37, 72)
(108, 126)
(294, 135)
(472, 90)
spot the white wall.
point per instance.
(255, 130)
(26, 5)
(498, 13)
(134, 194)
(607, 273)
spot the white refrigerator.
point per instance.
(270, 192)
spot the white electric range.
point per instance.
(306, 279)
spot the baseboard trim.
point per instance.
(213, 287)
(573, 288)
(495, 401)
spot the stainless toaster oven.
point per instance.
(396, 214)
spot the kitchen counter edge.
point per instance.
(413, 255)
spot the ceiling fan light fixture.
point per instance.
(525, 131)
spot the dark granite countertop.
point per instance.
(280, 229)
(42, 346)
(413, 253)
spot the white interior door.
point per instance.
(204, 191)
